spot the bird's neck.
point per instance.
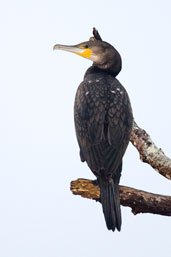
(112, 68)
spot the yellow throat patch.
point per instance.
(85, 53)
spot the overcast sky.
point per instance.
(39, 216)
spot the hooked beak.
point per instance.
(86, 53)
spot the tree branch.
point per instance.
(139, 201)
(149, 152)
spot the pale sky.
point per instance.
(39, 155)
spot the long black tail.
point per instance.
(110, 200)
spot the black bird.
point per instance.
(103, 122)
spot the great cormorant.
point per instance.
(103, 121)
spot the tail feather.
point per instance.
(110, 203)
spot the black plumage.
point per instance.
(103, 123)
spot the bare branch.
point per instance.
(149, 152)
(139, 201)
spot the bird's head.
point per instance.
(103, 55)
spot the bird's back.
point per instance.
(103, 122)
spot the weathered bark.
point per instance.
(139, 201)
(149, 152)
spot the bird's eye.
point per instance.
(86, 46)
